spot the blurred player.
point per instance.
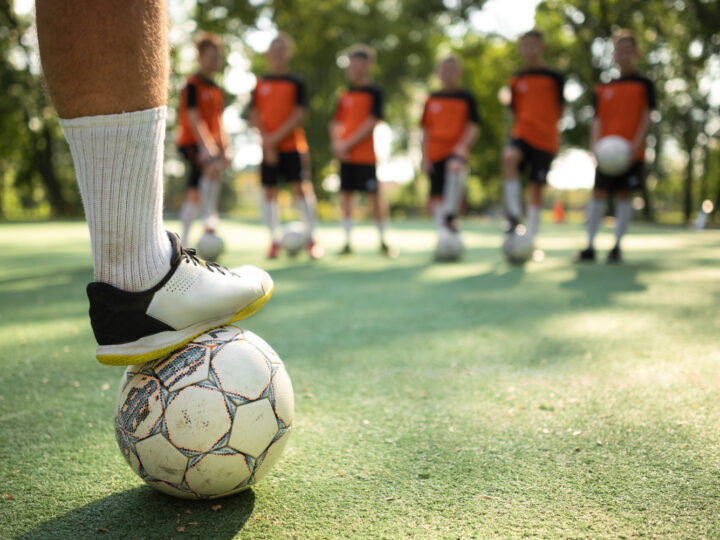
(622, 107)
(150, 295)
(351, 132)
(278, 109)
(450, 125)
(537, 104)
(202, 140)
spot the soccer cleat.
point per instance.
(586, 255)
(314, 250)
(347, 250)
(195, 296)
(388, 251)
(614, 255)
(274, 250)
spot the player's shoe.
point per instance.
(314, 250)
(195, 296)
(388, 251)
(346, 250)
(614, 255)
(274, 250)
(586, 255)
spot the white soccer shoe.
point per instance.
(195, 296)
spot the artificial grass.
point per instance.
(432, 400)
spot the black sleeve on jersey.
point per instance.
(301, 93)
(191, 90)
(377, 106)
(472, 108)
(651, 96)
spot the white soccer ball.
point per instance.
(210, 246)
(295, 237)
(208, 420)
(613, 155)
(450, 246)
(518, 248)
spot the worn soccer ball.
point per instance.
(518, 248)
(295, 237)
(613, 155)
(208, 420)
(210, 246)
(450, 246)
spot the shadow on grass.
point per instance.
(597, 284)
(144, 513)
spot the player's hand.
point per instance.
(270, 155)
(213, 169)
(340, 150)
(455, 165)
(462, 151)
(427, 166)
(227, 157)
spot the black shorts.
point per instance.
(538, 161)
(289, 168)
(191, 153)
(632, 179)
(437, 175)
(358, 177)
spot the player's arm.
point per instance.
(426, 163)
(595, 132)
(197, 125)
(463, 146)
(642, 130)
(362, 132)
(295, 119)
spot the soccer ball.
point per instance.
(295, 237)
(208, 420)
(210, 246)
(450, 245)
(518, 248)
(613, 155)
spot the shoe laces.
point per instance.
(190, 256)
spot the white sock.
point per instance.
(270, 216)
(439, 215)
(188, 213)
(308, 210)
(119, 165)
(512, 190)
(209, 197)
(347, 225)
(381, 230)
(623, 218)
(533, 220)
(595, 214)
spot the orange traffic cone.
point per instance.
(559, 211)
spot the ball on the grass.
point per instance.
(518, 247)
(450, 246)
(295, 237)
(210, 246)
(208, 420)
(613, 155)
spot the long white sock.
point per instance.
(119, 165)
(595, 214)
(439, 215)
(381, 230)
(188, 213)
(623, 218)
(270, 216)
(308, 210)
(347, 225)
(512, 189)
(209, 197)
(533, 220)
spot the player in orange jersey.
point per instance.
(450, 125)
(358, 111)
(622, 107)
(279, 102)
(537, 104)
(202, 140)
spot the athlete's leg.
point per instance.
(595, 214)
(512, 187)
(210, 186)
(347, 200)
(534, 208)
(453, 191)
(623, 218)
(188, 213)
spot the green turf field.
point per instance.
(452, 401)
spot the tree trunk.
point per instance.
(688, 186)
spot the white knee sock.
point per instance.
(595, 214)
(347, 225)
(308, 211)
(381, 230)
(270, 216)
(209, 197)
(439, 215)
(623, 218)
(533, 220)
(512, 190)
(119, 165)
(188, 213)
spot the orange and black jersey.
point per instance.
(537, 101)
(209, 99)
(275, 97)
(621, 104)
(356, 105)
(444, 120)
